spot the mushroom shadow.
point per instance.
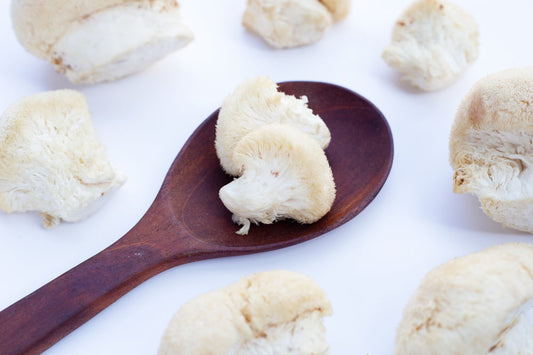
(463, 212)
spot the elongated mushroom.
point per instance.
(433, 43)
(92, 41)
(285, 175)
(491, 147)
(51, 160)
(292, 23)
(478, 304)
(271, 312)
(257, 102)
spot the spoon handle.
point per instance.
(42, 318)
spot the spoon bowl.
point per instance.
(360, 155)
(187, 221)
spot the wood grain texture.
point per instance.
(187, 222)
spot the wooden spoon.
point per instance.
(187, 221)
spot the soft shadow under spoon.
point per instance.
(187, 222)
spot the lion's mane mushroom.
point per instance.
(285, 175)
(292, 23)
(433, 42)
(491, 146)
(51, 160)
(257, 102)
(92, 41)
(272, 312)
(476, 304)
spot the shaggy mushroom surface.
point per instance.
(257, 102)
(478, 304)
(51, 159)
(433, 42)
(491, 147)
(285, 175)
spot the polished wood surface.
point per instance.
(187, 222)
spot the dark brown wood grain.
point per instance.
(187, 222)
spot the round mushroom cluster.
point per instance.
(480, 303)
(270, 312)
(433, 42)
(51, 159)
(491, 147)
(274, 144)
(292, 23)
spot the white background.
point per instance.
(368, 267)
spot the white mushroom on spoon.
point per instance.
(257, 102)
(285, 174)
(491, 147)
(51, 159)
(478, 304)
(92, 41)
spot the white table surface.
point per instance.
(368, 267)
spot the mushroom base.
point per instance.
(497, 167)
(118, 41)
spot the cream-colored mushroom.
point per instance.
(271, 312)
(257, 102)
(478, 304)
(51, 160)
(285, 175)
(433, 42)
(288, 23)
(491, 147)
(338, 8)
(92, 41)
